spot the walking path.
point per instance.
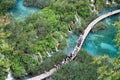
(79, 44)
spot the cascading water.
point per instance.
(40, 57)
(93, 10)
(92, 1)
(107, 2)
(49, 55)
(113, 2)
(78, 21)
(92, 6)
(2, 57)
(9, 76)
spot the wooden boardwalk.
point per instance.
(81, 39)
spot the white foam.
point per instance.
(9, 77)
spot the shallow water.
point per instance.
(101, 42)
(97, 44)
(21, 11)
(71, 43)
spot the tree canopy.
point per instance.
(5, 5)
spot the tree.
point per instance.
(79, 69)
(5, 5)
(4, 66)
(109, 68)
(117, 39)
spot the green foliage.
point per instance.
(25, 43)
(117, 38)
(17, 70)
(1, 24)
(84, 57)
(37, 33)
(4, 48)
(79, 69)
(118, 1)
(5, 5)
(99, 3)
(62, 44)
(109, 68)
(51, 61)
(4, 66)
(29, 63)
(37, 3)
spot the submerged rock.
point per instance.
(99, 26)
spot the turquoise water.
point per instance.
(96, 44)
(21, 11)
(101, 42)
(71, 43)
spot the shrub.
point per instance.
(51, 61)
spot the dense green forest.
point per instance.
(25, 45)
(81, 68)
(5, 5)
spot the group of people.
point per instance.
(64, 61)
(80, 40)
(71, 54)
(69, 57)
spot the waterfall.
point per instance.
(57, 47)
(9, 76)
(57, 44)
(71, 32)
(61, 36)
(78, 20)
(92, 1)
(92, 5)
(2, 57)
(93, 10)
(49, 55)
(107, 2)
(40, 57)
(70, 28)
(36, 37)
(113, 2)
